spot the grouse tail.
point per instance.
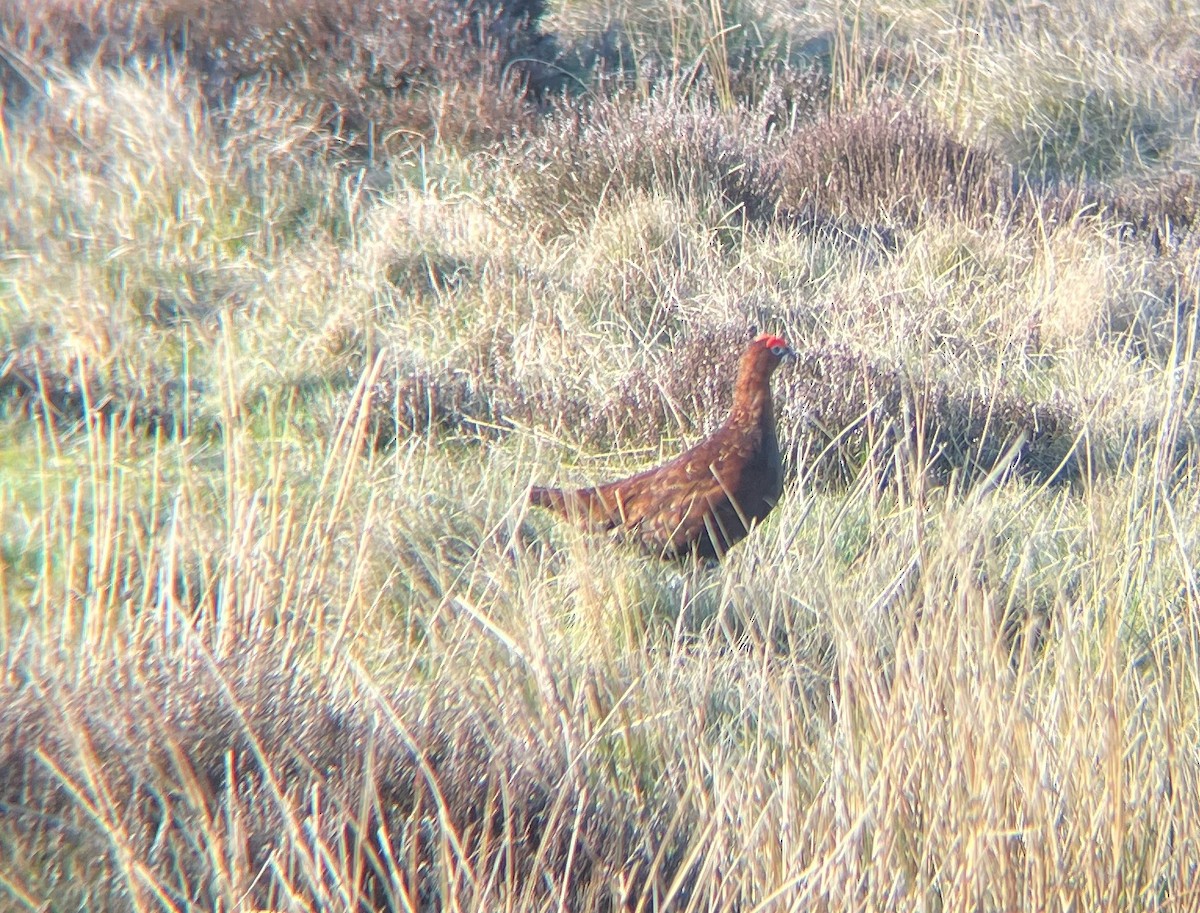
(550, 498)
(585, 505)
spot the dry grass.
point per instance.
(385, 76)
(278, 629)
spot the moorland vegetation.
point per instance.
(297, 298)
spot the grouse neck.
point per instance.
(752, 396)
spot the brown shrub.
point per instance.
(684, 389)
(397, 71)
(838, 409)
(842, 408)
(1161, 208)
(480, 394)
(62, 386)
(687, 388)
(1186, 71)
(68, 33)
(413, 398)
(888, 163)
(224, 779)
(973, 432)
(782, 97)
(609, 147)
(837, 406)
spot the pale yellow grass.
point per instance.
(905, 695)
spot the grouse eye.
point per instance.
(777, 351)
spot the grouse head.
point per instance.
(752, 389)
(768, 351)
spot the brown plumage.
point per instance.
(707, 498)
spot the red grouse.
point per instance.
(707, 498)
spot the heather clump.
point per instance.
(888, 163)
(384, 75)
(848, 412)
(301, 304)
(582, 157)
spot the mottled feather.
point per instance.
(709, 497)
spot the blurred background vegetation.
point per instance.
(297, 298)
